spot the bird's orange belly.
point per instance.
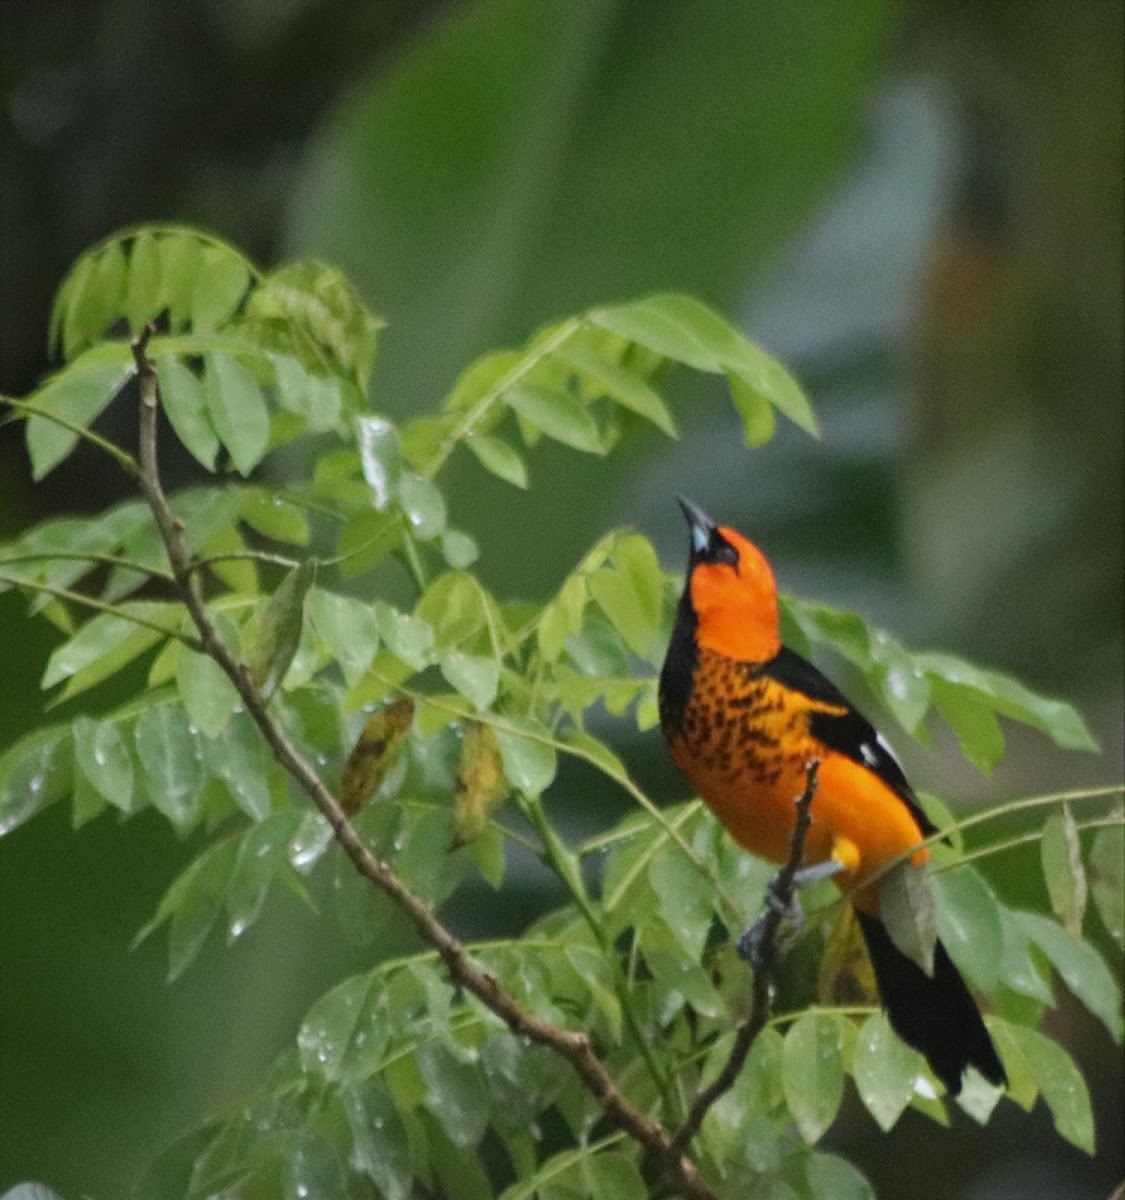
(856, 818)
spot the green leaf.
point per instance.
(970, 926)
(423, 504)
(208, 695)
(263, 854)
(628, 389)
(596, 976)
(685, 897)
(612, 1177)
(616, 596)
(682, 328)
(185, 403)
(458, 1170)
(68, 314)
(499, 457)
(677, 974)
(314, 1170)
(812, 1073)
(1060, 1084)
(477, 678)
(759, 417)
(649, 324)
(316, 398)
(1022, 1087)
(237, 410)
(906, 905)
(99, 303)
(1061, 854)
(78, 395)
(380, 456)
(241, 759)
(193, 903)
(459, 549)
(557, 415)
(346, 1031)
(181, 252)
(529, 763)
(1059, 720)
(456, 1093)
(1081, 967)
(104, 645)
(170, 757)
(409, 638)
(275, 517)
(885, 1071)
(220, 283)
(320, 311)
(34, 773)
(143, 286)
(348, 627)
(562, 617)
(971, 718)
(102, 756)
(833, 1178)
(380, 1147)
(279, 633)
(1107, 880)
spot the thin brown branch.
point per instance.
(683, 1176)
(782, 890)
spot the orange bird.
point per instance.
(743, 716)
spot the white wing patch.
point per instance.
(869, 754)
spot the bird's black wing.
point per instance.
(848, 732)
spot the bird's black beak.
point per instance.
(700, 524)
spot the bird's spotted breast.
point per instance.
(743, 743)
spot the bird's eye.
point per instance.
(722, 551)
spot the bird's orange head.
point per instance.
(731, 590)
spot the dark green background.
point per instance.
(918, 206)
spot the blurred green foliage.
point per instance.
(640, 147)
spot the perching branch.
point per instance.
(781, 892)
(683, 1176)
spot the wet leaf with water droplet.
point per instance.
(380, 456)
(380, 1148)
(103, 758)
(456, 1093)
(346, 1031)
(812, 1073)
(170, 757)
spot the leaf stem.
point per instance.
(473, 415)
(102, 606)
(126, 461)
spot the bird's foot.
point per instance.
(784, 902)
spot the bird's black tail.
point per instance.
(935, 1015)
